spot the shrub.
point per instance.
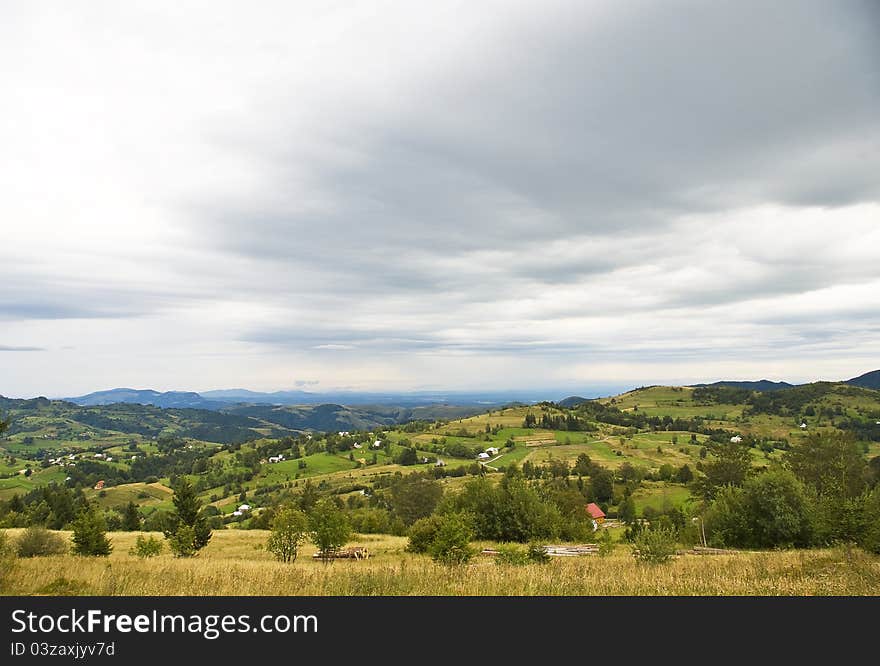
(38, 542)
(537, 553)
(451, 544)
(655, 545)
(606, 543)
(512, 555)
(146, 547)
(422, 534)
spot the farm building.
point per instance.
(736, 439)
(377, 443)
(99, 485)
(483, 456)
(244, 507)
(492, 451)
(440, 463)
(595, 512)
(803, 426)
(276, 459)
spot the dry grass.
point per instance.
(235, 563)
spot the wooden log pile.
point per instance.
(703, 550)
(558, 551)
(354, 553)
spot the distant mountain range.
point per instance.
(223, 399)
(869, 380)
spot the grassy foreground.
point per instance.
(235, 563)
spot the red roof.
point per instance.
(595, 511)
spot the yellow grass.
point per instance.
(235, 563)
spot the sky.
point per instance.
(400, 195)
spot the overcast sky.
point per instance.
(400, 195)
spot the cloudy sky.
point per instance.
(401, 195)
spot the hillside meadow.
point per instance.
(236, 563)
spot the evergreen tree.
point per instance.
(131, 519)
(90, 534)
(187, 530)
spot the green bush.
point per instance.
(39, 542)
(537, 553)
(512, 555)
(606, 543)
(146, 547)
(655, 545)
(451, 544)
(422, 534)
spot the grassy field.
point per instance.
(236, 563)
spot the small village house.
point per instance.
(596, 513)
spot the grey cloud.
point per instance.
(8, 348)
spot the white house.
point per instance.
(244, 507)
(483, 456)
(736, 439)
(803, 426)
(343, 433)
(276, 459)
(492, 451)
(356, 445)
(440, 463)
(236, 513)
(377, 443)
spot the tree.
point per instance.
(289, 529)
(626, 512)
(771, 510)
(90, 534)
(730, 467)
(309, 496)
(414, 496)
(187, 530)
(451, 543)
(407, 456)
(328, 528)
(583, 465)
(684, 474)
(830, 463)
(131, 519)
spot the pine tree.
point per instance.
(90, 534)
(131, 519)
(187, 531)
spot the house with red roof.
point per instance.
(595, 512)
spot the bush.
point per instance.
(38, 542)
(451, 544)
(655, 545)
(146, 547)
(512, 555)
(422, 534)
(537, 553)
(606, 543)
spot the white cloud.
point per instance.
(395, 194)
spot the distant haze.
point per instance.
(459, 196)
